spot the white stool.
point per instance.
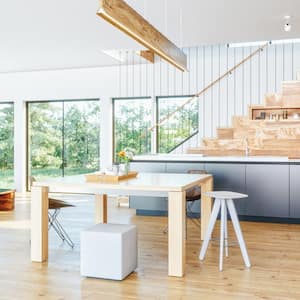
(108, 251)
(223, 201)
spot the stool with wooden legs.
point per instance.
(223, 202)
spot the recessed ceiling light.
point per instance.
(287, 23)
(287, 27)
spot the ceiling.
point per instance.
(60, 34)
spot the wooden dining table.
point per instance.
(172, 186)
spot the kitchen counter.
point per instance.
(201, 158)
(272, 182)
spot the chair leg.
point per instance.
(238, 232)
(54, 222)
(210, 228)
(52, 218)
(226, 229)
(222, 231)
(64, 233)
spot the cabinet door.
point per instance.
(183, 167)
(229, 177)
(268, 189)
(294, 191)
(148, 167)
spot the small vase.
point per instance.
(126, 168)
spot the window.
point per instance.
(63, 137)
(7, 145)
(132, 121)
(175, 130)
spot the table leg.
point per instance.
(206, 205)
(101, 208)
(39, 223)
(176, 231)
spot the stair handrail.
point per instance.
(229, 72)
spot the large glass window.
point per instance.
(180, 126)
(6, 145)
(132, 121)
(63, 138)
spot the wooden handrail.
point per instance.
(229, 72)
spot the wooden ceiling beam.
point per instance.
(125, 18)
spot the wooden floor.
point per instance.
(274, 251)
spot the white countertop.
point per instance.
(201, 158)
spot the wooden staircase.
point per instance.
(280, 137)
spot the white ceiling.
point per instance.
(58, 34)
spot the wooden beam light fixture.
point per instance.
(125, 18)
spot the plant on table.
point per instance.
(124, 157)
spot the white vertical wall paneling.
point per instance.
(271, 69)
(263, 74)
(203, 97)
(215, 90)
(208, 94)
(165, 79)
(185, 75)
(200, 66)
(279, 66)
(247, 80)
(230, 92)
(254, 78)
(223, 86)
(193, 71)
(238, 78)
(288, 62)
(296, 58)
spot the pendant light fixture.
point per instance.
(125, 18)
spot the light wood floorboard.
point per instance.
(274, 250)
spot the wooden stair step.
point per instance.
(225, 133)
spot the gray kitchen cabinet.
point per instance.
(268, 189)
(183, 167)
(294, 191)
(229, 177)
(148, 203)
(148, 167)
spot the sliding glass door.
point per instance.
(63, 138)
(6, 145)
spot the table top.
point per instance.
(143, 182)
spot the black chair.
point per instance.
(55, 205)
(193, 194)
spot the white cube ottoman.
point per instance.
(108, 251)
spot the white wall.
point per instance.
(231, 96)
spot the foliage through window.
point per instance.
(180, 126)
(6, 145)
(132, 120)
(63, 138)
